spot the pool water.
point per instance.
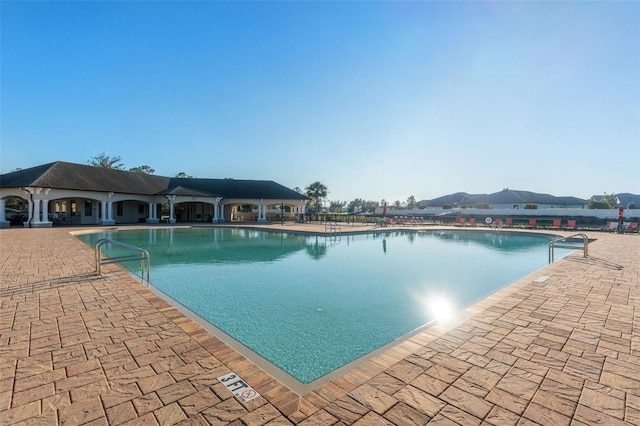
(311, 304)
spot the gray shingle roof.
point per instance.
(626, 198)
(63, 175)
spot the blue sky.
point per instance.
(377, 100)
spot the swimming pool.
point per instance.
(311, 304)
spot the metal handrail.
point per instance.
(553, 244)
(333, 227)
(141, 255)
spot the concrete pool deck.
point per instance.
(560, 346)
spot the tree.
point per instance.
(143, 169)
(337, 206)
(317, 191)
(608, 201)
(631, 206)
(107, 162)
(183, 175)
(411, 202)
(370, 206)
(356, 205)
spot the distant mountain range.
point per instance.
(516, 197)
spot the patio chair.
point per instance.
(508, 222)
(633, 227)
(571, 224)
(532, 223)
(557, 223)
(460, 221)
(472, 221)
(609, 226)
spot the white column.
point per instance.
(4, 223)
(172, 219)
(262, 212)
(215, 212)
(302, 211)
(103, 210)
(152, 214)
(45, 210)
(110, 211)
(36, 210)
(220, 209)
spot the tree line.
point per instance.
(318, 192)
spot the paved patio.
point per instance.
(77, 348)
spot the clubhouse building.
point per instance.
(75, 194)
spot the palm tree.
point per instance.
(317, 192)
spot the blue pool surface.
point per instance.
(311, 304)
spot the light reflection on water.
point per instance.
(310, 304)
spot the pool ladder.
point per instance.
(557, 244)
(332, 227)
(142, 255)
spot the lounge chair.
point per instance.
(557, 223)
(460, 221)
(609, 227)
(571, 224)
(532, 223)
(633, 227)
(472, 221)
(508, 222)
(380, 222)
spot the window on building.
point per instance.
(119, 208)
(88, 207)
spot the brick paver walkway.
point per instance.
(76, 348)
